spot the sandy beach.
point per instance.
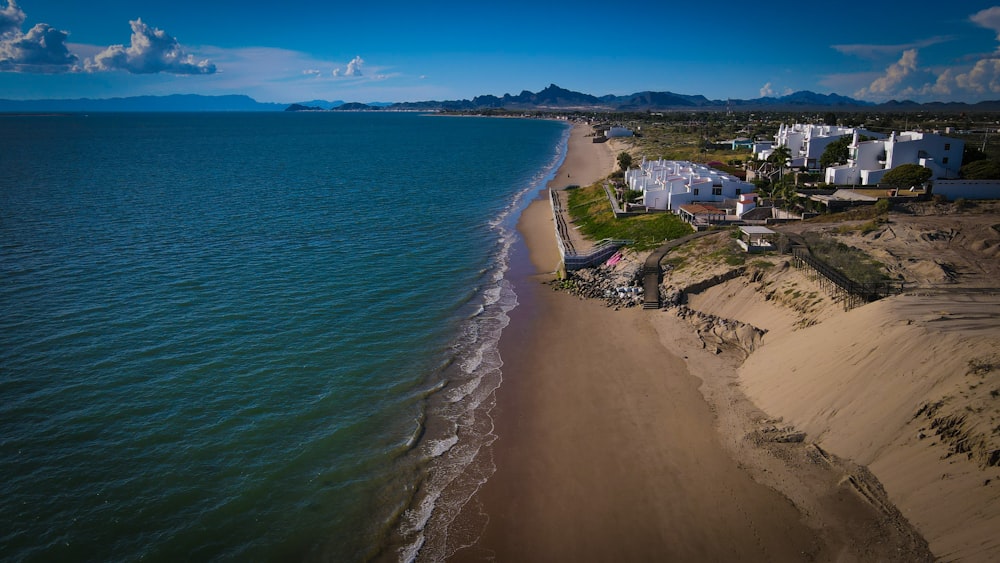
(607, 450)
(621, 439)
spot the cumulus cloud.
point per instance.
(983, 78)
(894, 76)
(151, 51)
(905, 79)
(353, 68)
(11, 19)
(768, 91)
(43, 49)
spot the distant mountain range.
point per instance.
(552, 98)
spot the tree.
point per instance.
(836, 153)
(906, 176)
(971, 154)
(830, 118)
(780, 157)
(982, 170)
(624, 160)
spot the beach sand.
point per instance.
(610, 448)
(606, 449)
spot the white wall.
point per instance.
(968, 189)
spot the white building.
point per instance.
(618, 132)
(870, 160)
(806, 142)
(668, 184)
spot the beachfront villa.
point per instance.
(669, 184)
(870, 160)
(807, 142)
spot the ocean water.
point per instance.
(252, 336)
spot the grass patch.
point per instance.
(675, 262)
(859, 213)
(762, 264)
(590, 210)
(852, 262)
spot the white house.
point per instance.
(618, 132)
(807, 142)
(668, 184)
(745, 203)
(870, 160)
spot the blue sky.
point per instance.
(393, 51)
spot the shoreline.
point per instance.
(603, 453)
(610, 444)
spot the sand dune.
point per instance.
(876, 384)
(907, 387)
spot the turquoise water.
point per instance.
(251, 336)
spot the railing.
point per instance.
(604, 250)
(855, 293)
(572, 259)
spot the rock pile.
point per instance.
(618, 286)
(717, 332)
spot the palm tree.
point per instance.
(624, 160)
(780, 156)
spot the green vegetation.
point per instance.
(624, 160)
(838, 151)
(675, 262)
(883, 206)
(985, 169)
(906, 175)
(590, 210)
(850, 261)
(729, 253)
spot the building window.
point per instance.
(716, 191)
(696, 191)
(947, 146)
(738, 191)
(944, 160)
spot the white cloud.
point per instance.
(894, 76)
(312, 72)
(768, 91)
(11, 19)
(41, 50)
(354, 68)
(870, 51)
(151, 51)
(983, 78)
(905, 79)
(988, 18)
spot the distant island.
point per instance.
(552, 98)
